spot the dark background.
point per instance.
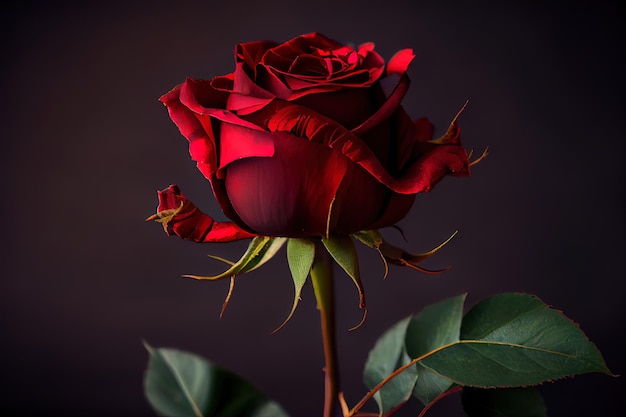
(85, 146)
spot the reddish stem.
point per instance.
(438, 398)
(322, 278)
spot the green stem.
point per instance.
(322, 278)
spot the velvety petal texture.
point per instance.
(306, 138)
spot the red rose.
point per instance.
(305, 138)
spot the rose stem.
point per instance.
(322, 278)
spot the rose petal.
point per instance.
(409, 134)
(241, 92)
(313, 63)
(245, 85)
(196, 94)
(290, 194)
(311, 66)
(243, 105)
(400, 61)
(420, 176)
(281, 56)
(372, 60)
(272, 82)
(387, 109)
(348, 107)
(237, 142)
(360, 201)
(435, 161)
(251, 53)
(239, 103)
(365, 48)
(223, 83)
(397, 208)
(198, 128)
(200, 135)
(360, 78)
(424, 129)
(182, 218)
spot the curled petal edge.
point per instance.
(420, 176)
(387, 109)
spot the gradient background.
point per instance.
(86, 145)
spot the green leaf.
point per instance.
(300, 255)
(177, 384)
(341, 248)
(269, 409)
(435, 326)
(388, 355)
(515, 340)
(260, 250)
(508, 402)
(181, 384)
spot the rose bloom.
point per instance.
(305, 139)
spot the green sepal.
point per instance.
(166, 215)
(452, 134)
(395, 255)
(300, 255)
(182, 384)
(399, 256)
(343, 251)
(373, 239)
(260, 250)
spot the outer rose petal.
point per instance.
(397, 207)
(244, 95)
(202, 145)
(400, 61)
(239, 142)
(360, 201)
(432, 163)
(387, 109)
(200, 97)
(196, 106)
(290, 194)
(188, 222)
(408, 132)
(360, 194)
